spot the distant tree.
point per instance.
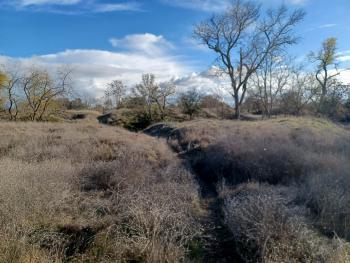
(75, 104)
(116, 90)
(154, 94)
(134, 102)
(41, 89)
(211, 101)
(12, 94)
(189, 102)
(327, 67)
(107, 102)
(301, 91)
(161, 99)
(78, 104)
(243, 41)
(215, 102)
(147, 90)
(269, 81)
(334, 104)
(253, 104)
(11, 90)
(3, 84)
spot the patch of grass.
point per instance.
(95, 193)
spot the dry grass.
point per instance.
(87, 193)
(270, 227)
(308, 158)
(82, 192)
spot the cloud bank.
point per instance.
(134, 56)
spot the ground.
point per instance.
(196, 191)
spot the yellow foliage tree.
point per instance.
(3, 81)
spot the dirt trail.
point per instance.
(219, 242)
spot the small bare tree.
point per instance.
(326, 60)
(165, 91)
(147, 90)
(3, 83)
(242, 49)
(107, 100)
(301, 91)
(41, 89)
(269, 82)
(190, 102)
(117, 90)
(10, 87)
(154, 94)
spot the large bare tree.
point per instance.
(242, 38)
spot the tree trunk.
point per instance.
(237, 107)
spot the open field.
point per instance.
(188, 131)
(259, 191)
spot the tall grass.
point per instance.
(88, 193)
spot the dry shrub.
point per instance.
(272, 160)
(89, 193)
(275, 151)
(341, 251)
(270, 228)
(155, 210)
(310, 154)
(29, 194)
(327, 194)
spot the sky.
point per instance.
(102, 40)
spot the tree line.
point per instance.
(252, 48)
(252, 52)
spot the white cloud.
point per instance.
(204, 5)
(104, 8)
(192, 43)
(327, 26)
(70, 6)
(145, 53)
(93, 69)
(207, 82)
(344, 58)
(298, 2)
(221, 5)
(47, 2)
(147, 43)
(288, 2)
(344, 76)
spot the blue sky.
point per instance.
(108, 39)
